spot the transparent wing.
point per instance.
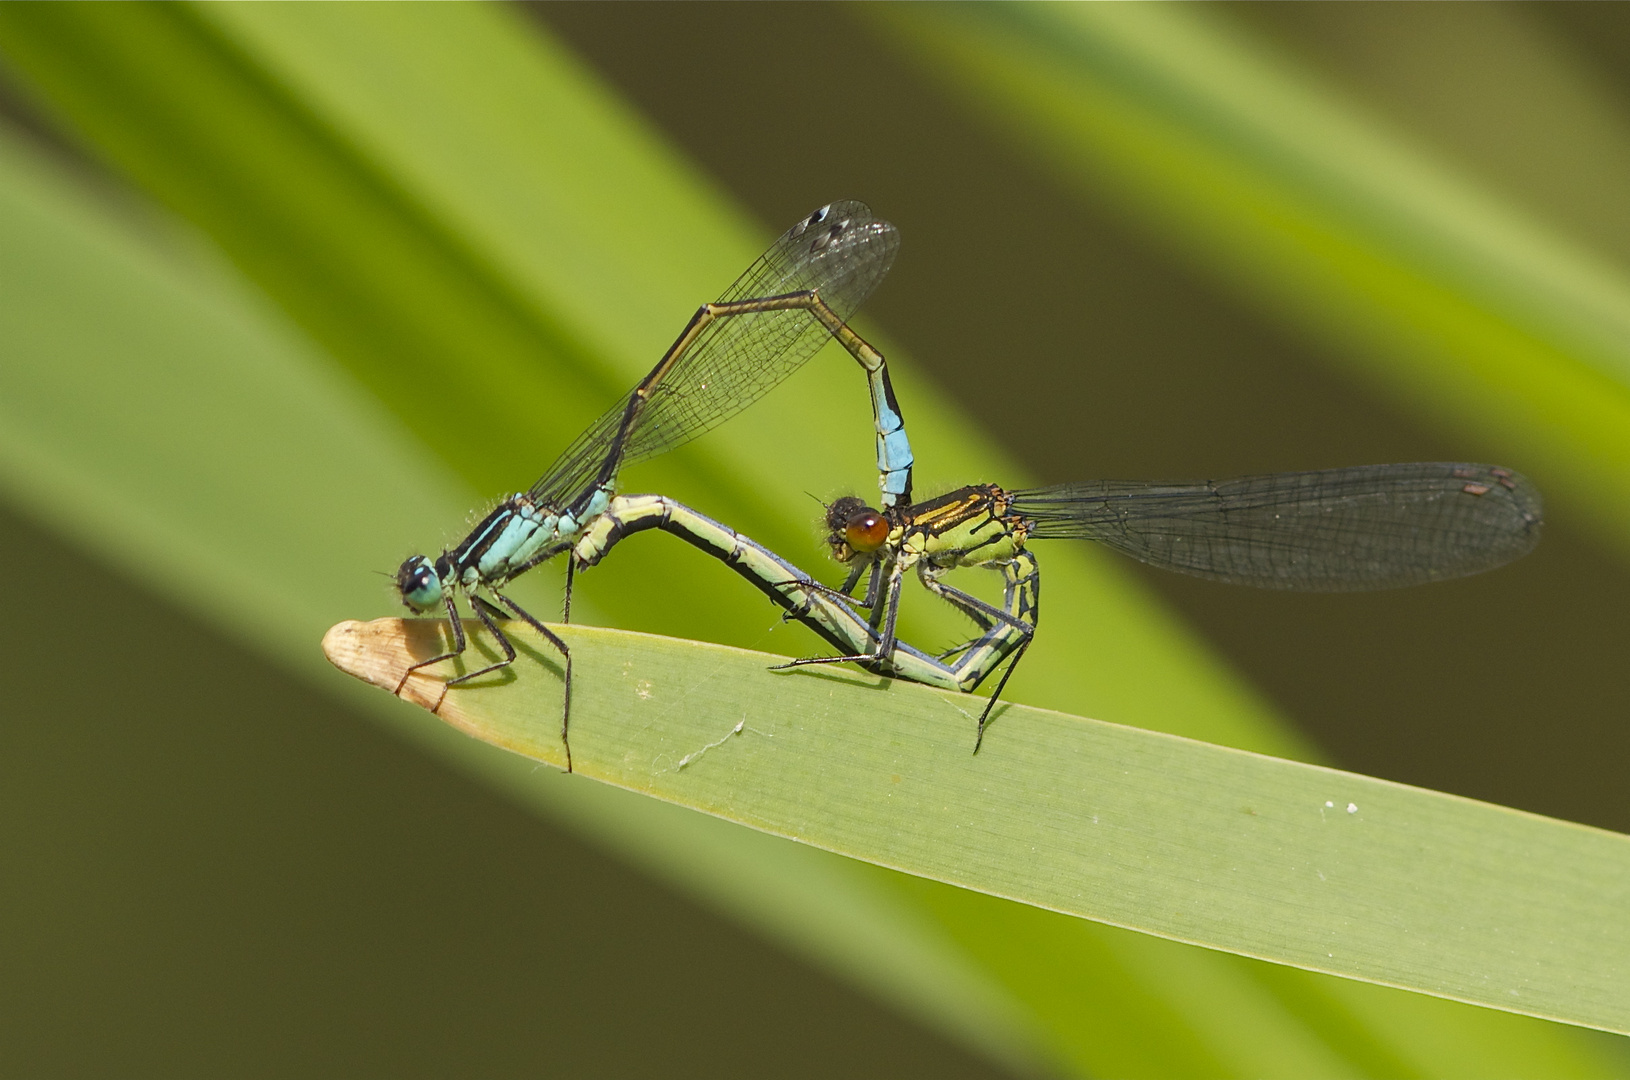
(840, 252)
(1371, 527)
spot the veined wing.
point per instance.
(840, 252)
(1371, 527)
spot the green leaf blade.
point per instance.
(1106, 648)
(1298, 864)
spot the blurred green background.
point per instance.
(1117, 358)
(211, 866)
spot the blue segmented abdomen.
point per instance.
(894, 461)
(894, 457)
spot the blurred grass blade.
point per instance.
(166, 419)
(1294, 863)
(1437, 292)
(515, 248)
(591, 223)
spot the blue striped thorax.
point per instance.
(506, 542)
(520, 531)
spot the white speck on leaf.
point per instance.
(741, 726)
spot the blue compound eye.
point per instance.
(418, 584)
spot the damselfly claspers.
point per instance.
(1362, 528)
(795, 297)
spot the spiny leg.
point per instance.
(485, 612)
(849, 583)
(537, 560)
(840, 592)
(875, 585)
(458, 645)
(566, 605)
(1004, 633)
(887, 614)
(797, 612)
(984, 717)
(1022, 600)
(985, 616)
(884, 615)
(560, 646)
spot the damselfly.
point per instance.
(1369, 527)
(775, 317)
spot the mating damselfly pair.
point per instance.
(1368, 527)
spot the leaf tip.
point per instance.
(380, 653)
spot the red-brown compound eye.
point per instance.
(865, 530)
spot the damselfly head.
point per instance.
(866, 530)
(854, 528)
(838, 513)
(418, 584)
